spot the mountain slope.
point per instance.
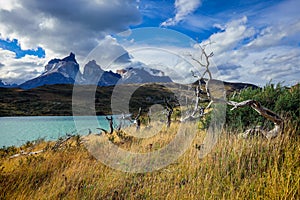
(143, 75)
(57, 71)
(66, 71)
(95, 75)
(56, 99)
(3, 84)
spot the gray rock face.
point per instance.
(66, 71)
(57, 71)
(144, 75)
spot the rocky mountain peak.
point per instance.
(92, 72)
(70, 58)
(65, 71)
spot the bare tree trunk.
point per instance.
(149, 117)
(169, 113)
(199, 112)
(110, 120)
(138, 120)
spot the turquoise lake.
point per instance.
(18, 130)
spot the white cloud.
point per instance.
(18, 70)
(261, 46)
(233, 32)
(168, 59)
(60, 27)
(246, 55)
(108, 52)
(183, 8)
(275, 35)
(9, 5)
(63, 26)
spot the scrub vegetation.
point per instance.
(236, 168)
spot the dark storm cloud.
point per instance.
(112, 15)
(69, 25)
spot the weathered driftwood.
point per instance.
(265, 112)
(56, 146)
(111, 125)
(23, 153)
(60, 142)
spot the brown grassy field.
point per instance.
(236, 168)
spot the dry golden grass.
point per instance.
(235, 169)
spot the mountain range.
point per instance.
(66, 71)
(3, 84)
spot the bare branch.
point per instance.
(110, 120)
(198, 90)
(196, 60)
(102, 129)
(270, 115)
(211, 54)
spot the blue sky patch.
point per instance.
(14, 46)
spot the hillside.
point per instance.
(51, 100)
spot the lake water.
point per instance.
(18, 130)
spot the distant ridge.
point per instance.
(49, 100)
(6, 85)
(229, 86)
(66, 71)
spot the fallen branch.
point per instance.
(102, 129)
(61, 141)
(55, 147)
(23, 153)
(265, 112)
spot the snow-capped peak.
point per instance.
(67, 66)
(140, 73)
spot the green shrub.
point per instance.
(282, 100)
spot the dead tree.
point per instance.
(169, 111)
(110, 120)
(149, 117)
(276, 119)
(199, 112)
(206, 66)
(138, 120)
(111, 127)
(122, 119)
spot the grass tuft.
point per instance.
(235, 169)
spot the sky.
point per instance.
(252, 41)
